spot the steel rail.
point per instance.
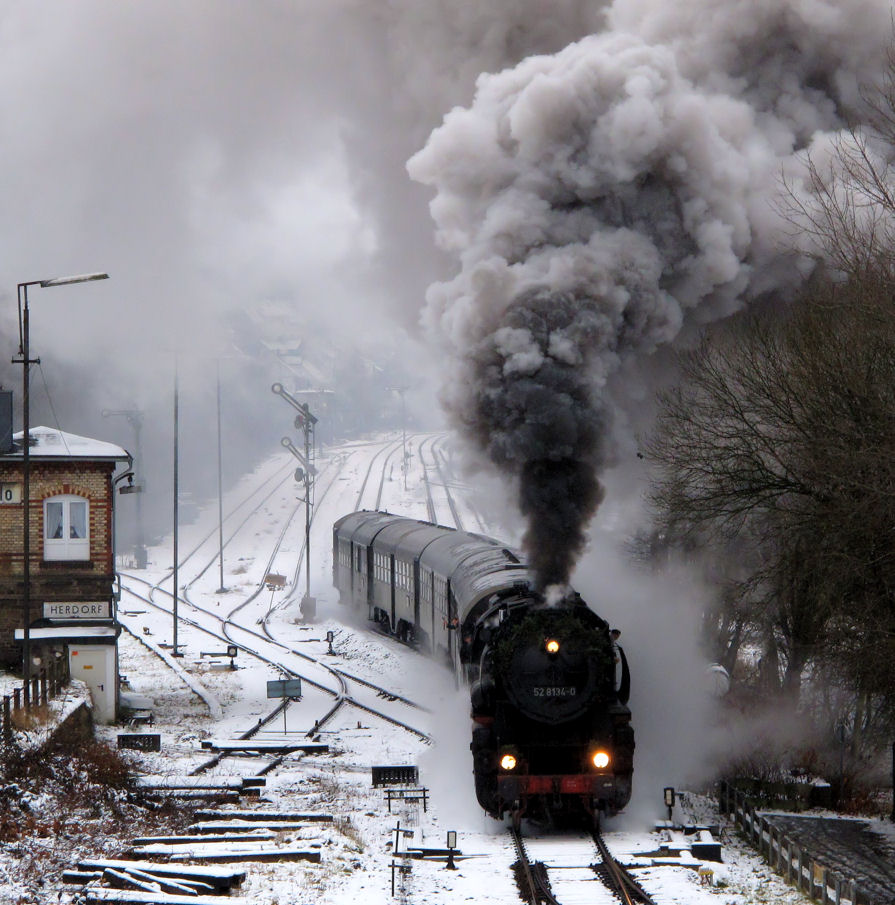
(621, 882)
(531, 877)
(391, 452)
(363, 486)
(281, 478)
(447, 491)
(522, 869)
(341, 695)
(430, 503)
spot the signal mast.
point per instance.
(304, 474)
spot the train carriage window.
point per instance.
(441, 595)
(404, 576)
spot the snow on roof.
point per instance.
(47, 442)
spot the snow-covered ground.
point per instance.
(196, 697)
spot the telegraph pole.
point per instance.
(404, 464)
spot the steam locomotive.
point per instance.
(548, 683)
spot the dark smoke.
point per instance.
(534, 410)
(609, 199)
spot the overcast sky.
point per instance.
(215, 157)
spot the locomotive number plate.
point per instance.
(555, 691)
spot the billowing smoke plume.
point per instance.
(604, 200)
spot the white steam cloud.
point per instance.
(604, 200)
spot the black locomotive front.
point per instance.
(552, 734)
(548, 685)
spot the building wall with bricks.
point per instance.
(52, 579)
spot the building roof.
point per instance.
(49, 443)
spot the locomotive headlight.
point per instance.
(508, 762)
(600, 759)
(552, 646)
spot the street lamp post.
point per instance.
(26, 361)
(221, 588)
(174, 649)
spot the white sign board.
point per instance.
(79, 609)
(10, 494)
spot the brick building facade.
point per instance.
(70, 527)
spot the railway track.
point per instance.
(341, 693)
(345, 689)
(389, 450)
(430, 502)
(567, 870)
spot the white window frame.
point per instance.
(67, 547)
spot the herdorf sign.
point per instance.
(79, 609)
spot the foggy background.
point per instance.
(239, 171)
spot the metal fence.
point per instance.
(789, 859)
(33, 694)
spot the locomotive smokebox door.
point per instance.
(551, 687)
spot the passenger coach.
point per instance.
(424, 583)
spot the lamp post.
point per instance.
(174, 649)
(26, 361)
(221, 588)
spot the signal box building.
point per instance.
(72, 568)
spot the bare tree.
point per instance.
(778, 446)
